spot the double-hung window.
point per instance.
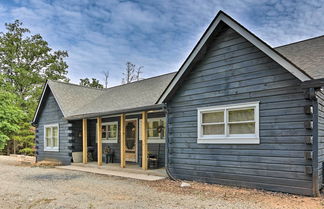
(51, 137)
(156, 130)
(110, 132)
(229, 124)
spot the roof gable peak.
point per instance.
(198, 50)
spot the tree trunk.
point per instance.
(14, 146)
(8, 149)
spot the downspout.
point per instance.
(167, 145)
(315, 142)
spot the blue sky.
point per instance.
(104, 34)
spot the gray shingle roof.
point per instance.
(77, 100)
(71, 97)
(308, 55)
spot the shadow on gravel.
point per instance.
(53, 177)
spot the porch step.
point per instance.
(110, 172)
(130, 168)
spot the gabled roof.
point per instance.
(77, 101)
(71, 97)
(128, 96)
(196, 54)
(307, 55)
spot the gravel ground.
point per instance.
(34, 187)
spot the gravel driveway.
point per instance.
(34, 187)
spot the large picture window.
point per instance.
(229, 124)
(51, 137)
(110, 132)
(156, 130)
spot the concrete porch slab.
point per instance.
(129, 173)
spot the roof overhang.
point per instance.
(40, 102)
(116, 112)
(222, 17)
(315, 83)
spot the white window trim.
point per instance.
(52, 149)
(226, 138)
(152, 140)
(112, 140)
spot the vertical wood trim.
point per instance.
(315, 176)
(99, 141)
(144, 141)
(85, 140)
(122, 141)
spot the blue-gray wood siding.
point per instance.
(235, 71)
(153, 148)
(50, 113)
(320, 100)
(77, 136)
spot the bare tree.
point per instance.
(139, 72)
(132, 73)
(106, 74)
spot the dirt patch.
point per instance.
(53, 177)
(207, 191)
(37, 188)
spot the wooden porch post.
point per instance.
(122, 141)
(99, 141)
(144, 141)
(85, 140)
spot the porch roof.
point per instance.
(78, 102)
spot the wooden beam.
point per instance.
(122, 142)
(99, 141)
(144, 141)
(85, 140)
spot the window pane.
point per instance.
(213, 129)
(48, 142)
(213, 117)
(243, 128)
(48, 132)
(104, 135)
(55, 142)
(153, 129)
(162, 127)
(150, 132)
(111, 135)
(112, 131)
(55, 131)
(149, 124)
(241, 115)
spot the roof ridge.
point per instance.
(105, 89)
(140, 80)
(297, 42)
(77, 85)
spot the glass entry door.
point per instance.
(131, 140)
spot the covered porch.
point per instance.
(122, 139)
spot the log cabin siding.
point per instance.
(50, 114)
(320, 103)
(234, 71)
